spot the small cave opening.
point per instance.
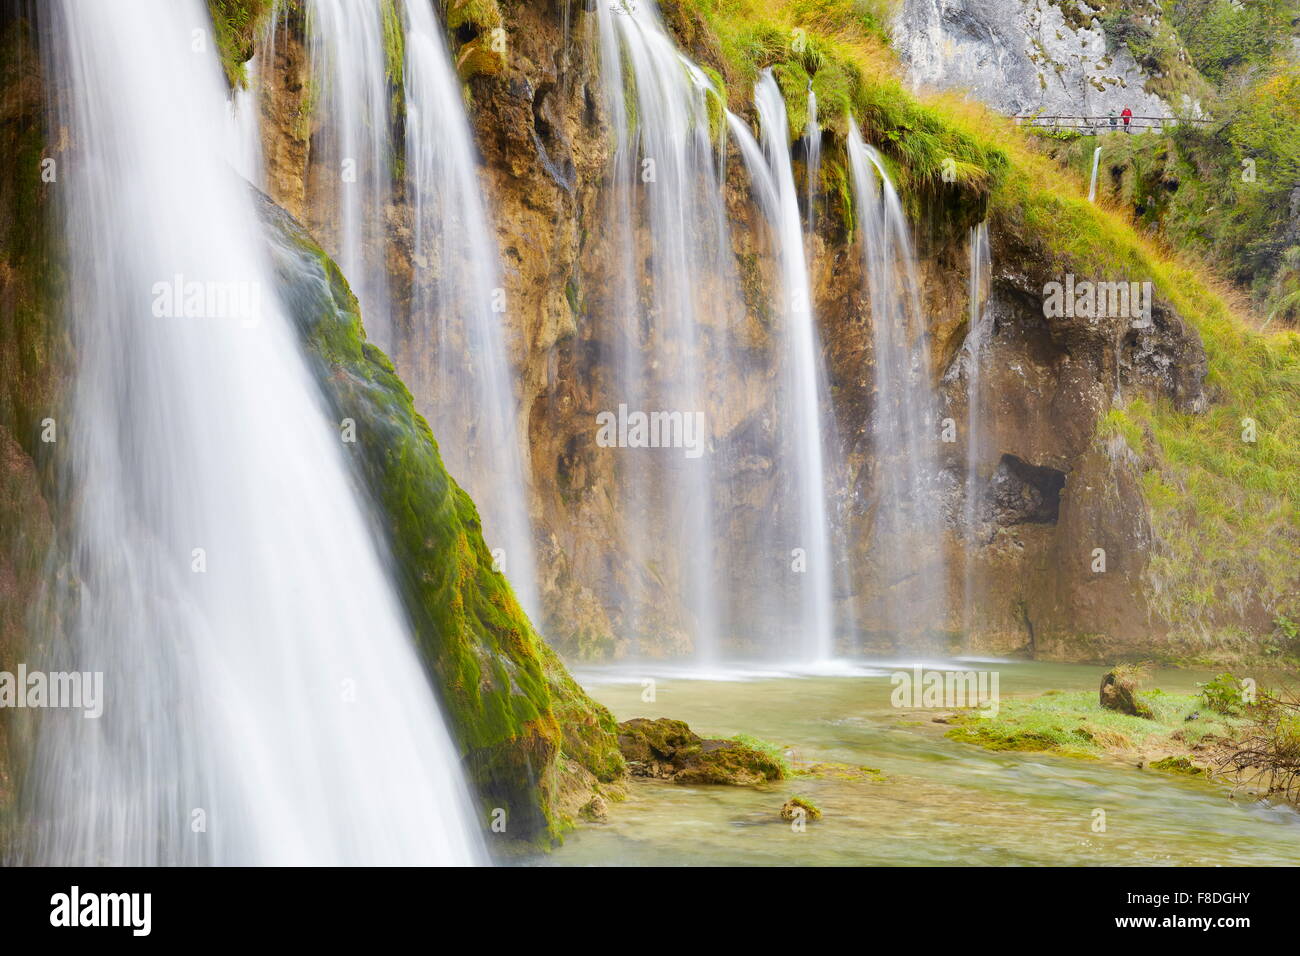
(1021, 492)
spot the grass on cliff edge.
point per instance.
(1076, 725)
(1225, 511)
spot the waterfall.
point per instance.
(1092, 183)
(671, 277)
(802, 381)
(450, 344)
(813, 157)
(978, 330)
(352, 149)
(459, 307)
(242, 137)
(908, 528)
(264, 703)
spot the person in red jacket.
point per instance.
(1127, 116)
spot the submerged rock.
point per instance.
(668, 749)
(794, 805)
(595, 810)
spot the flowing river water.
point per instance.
(936, 802)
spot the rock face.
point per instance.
(669, 750)
(1049, 493)
(33, 363)
(1025, 56)
(1061, 538)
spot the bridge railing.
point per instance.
(1093, 125)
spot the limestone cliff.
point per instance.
(1053, 57)
(1055, 483)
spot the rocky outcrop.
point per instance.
(1052, 57)
(667, 749)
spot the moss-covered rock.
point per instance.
(1178, 764)
(521, 721)
(669, 750)
(800, 808)
(1119, 691)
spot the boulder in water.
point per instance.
(668, 749)
(795, 805)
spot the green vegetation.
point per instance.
(1223, 38)
(1076, 725)
(838, 46)
(390, 16)
(235, 24)
(1221, 190)
(792, 807)
(518, 716)
(1224, 695)
(1181, 765)
(771, 751)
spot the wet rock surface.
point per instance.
(668, 749)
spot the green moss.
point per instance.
(1182, 765)
(811, 810)
(395, 73)
(234, 25)
(774, 753)
(716, 103)
(793, 80)
(831, 44)
(1074, 724)
(571, 295)
(479, 14)
(514, 710)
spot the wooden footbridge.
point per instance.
(1094, 125)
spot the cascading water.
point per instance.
(457, 302)
(908, 527)
(663, 176)
(259, 678)
(353, 149)
(802, 377)
(450, 347)
(813, 158)
(243, 138)
(1092, 181)
(979, 328)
